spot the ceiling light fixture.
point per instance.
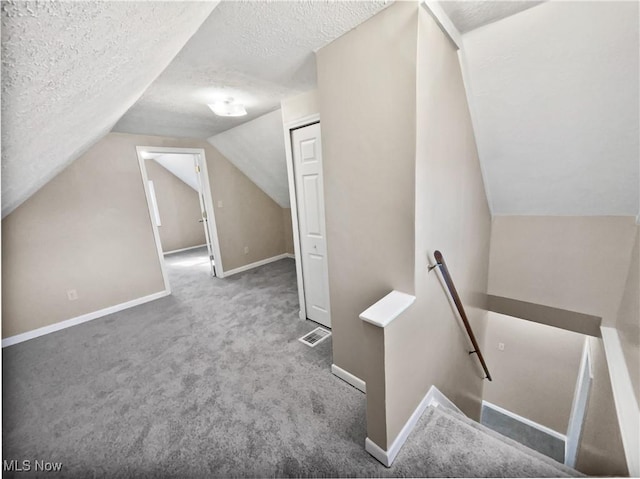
(227, 107)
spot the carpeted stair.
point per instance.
(452, 445)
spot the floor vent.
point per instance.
(315, 337)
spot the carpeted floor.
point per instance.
(209, 382)
(523, 433)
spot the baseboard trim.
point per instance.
(290, 255)
(624, 398)
(164, 253)
(249, 266)
(347, 377)
(434, 397)
(524, 420)
(376, 451)
(19, 338)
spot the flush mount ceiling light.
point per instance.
(227, 107)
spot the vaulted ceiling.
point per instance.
(256, 52)
(554, 91)
(553, 88)
(70, 70)
(257, 149)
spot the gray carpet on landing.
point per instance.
(212, 382)
(523, 433)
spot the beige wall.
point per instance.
(628, 320)
(452, 215)
(89, 229)
(601, 452)
(535, 375)
(366, 91)
(179, 208)
(393, 177)
(249, 217)
(300, 106)
(287, 230)
(574, 263)
(580, 264)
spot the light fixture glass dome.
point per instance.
(227, 107)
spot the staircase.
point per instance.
(450, 444)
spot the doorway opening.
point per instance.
(541, 385)
(179, 198)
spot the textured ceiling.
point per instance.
(469, 15)
(257, 149)
(256, 52)
(555, 90)
(69, 72)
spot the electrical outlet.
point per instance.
(219, 203)
(72, 294)
(500, 346)
(246, 250)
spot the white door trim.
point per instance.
(292, 125)
(624, 398)
(211, 215)
(579, 407)
(208, 205)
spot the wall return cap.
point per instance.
(387, 309)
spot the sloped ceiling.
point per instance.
(468, 15)
(255, 52)
(70, 70)
(257, 149)
(180, 165)
(555, 94)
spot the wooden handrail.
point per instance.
(456, 299)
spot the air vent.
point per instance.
(315, 337)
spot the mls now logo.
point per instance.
(25, 466)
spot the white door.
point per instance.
(307, 164)
(205, 219)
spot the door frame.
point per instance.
(208, 197)
(288, 127)
(579, 406)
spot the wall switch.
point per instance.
(246, 250)
(500, 346)
(219, 203)
(72, 294)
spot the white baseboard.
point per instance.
(262, 262)
(19, 338)
(434, 397)
(290, 255)
(524, 420)
(624, 398)
(346, 376)
(183, 249)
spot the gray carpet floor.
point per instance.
(523, 433)
(445, 441)
(208, 382)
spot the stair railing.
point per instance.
(440, 263)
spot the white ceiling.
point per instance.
(468, 15)
(181, 165)
(257, 149)
(555, 91)
(69, 72)
(256, 52)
